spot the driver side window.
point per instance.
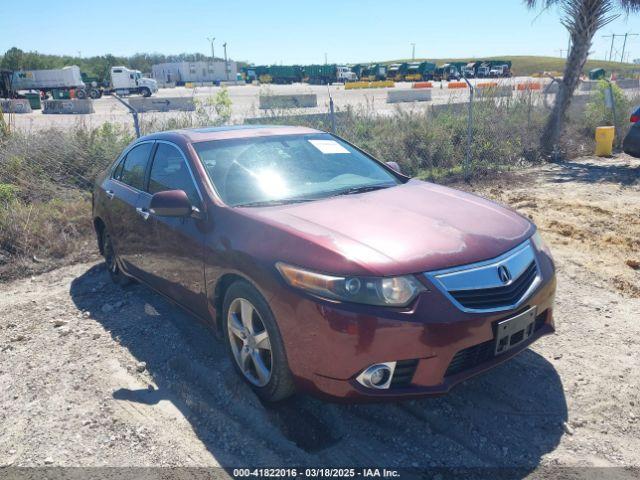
(169, 171)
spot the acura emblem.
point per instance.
(504, 274)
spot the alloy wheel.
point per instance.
(249, 340)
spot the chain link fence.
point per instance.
(46, 175)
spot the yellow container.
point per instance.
(604, 141)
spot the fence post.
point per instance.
(610, 101)
(134, 113)
(467, 160)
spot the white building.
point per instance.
(196, 72)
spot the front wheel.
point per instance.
(145, 92)
(255, 344)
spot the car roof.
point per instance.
(195, 135)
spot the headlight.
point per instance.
(540, 244)
(386, 291)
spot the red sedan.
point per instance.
(323, 269)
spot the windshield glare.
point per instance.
(292, 167)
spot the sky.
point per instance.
(285, 31)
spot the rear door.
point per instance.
(175, 246)
(124, 188)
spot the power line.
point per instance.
(624, 45)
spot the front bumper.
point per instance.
(329, 344)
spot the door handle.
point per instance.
(110, 194)
(143, 212)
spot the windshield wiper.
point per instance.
(273, 202)
(364, 188)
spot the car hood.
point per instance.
(410, 228)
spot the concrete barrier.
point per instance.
(17, 105)
(373, 84)
(397, 96)
(75, 106)
(588, 85)
(628, 83)
(528, 86)
(162, 104)
(493, 91)
(288, 101)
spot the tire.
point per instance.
(111, 260)
(278, 384)
(145, 92)
(81, 94)
(94, 93)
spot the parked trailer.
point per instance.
(285, 74)
(65, 79)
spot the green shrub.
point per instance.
(7, 193)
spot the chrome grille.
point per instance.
(487, 298)
(502, 283)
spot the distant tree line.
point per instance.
(98, 66)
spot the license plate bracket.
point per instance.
(511, 332)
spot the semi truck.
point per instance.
(417, 71)
(328, 74)
(397, 71)
(449, 71)
(374, 72)
(70, 82)
(499, 68)
(125, 81)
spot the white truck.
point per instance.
(345, 75)
(125, 81)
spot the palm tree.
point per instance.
(582, 18)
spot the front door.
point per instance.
(174, 248)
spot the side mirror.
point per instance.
(394, 166)
(170, 203)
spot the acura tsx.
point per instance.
(323, 269)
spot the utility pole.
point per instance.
(226, 61)
(325, 58)
(624, 45)
(211, 40)
(560, 50)
(413, 51)
(613, 38)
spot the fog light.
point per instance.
(377, 376)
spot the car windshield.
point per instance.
(286, 169)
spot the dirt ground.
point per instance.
(92, 374)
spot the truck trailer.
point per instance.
(48, 82)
